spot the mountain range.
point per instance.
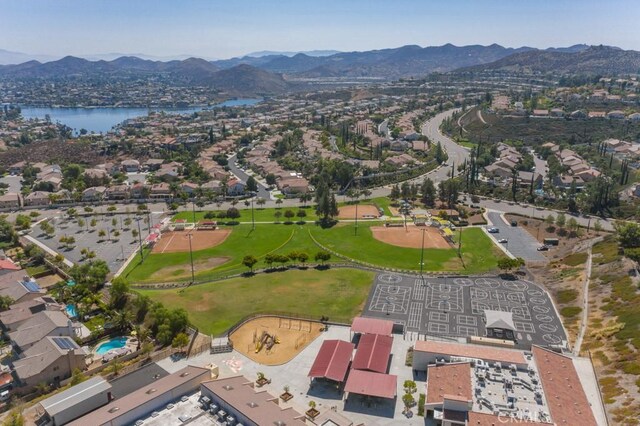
(270, 74)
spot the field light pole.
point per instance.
(140, 240)
(193, 206)
(422, 253)
(253, 220)
(356, 230)
(193, 277)
(460, 243)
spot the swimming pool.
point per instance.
(71, 311)
(115, 343)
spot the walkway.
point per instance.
(585, 301)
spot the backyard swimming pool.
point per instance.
(71, 311)
(115, 343)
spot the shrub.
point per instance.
(421, 402)
(570, 311)
(566, 296)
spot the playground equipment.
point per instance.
(266, 340)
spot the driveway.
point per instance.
(519, 242)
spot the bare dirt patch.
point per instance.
(365, 211)
(178, 241)
(411, 237)
(184, 270)
(294, 335)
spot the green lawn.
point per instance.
(478, 252)
(260, 214)
(213, 308)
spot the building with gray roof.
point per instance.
(74, 402)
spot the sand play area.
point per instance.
(365, 211)
(178, 241)
(293, 336)
(411, 237)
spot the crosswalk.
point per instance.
(415, 315)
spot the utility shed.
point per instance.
(76, 401)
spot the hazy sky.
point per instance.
(226, 28)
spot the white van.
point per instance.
(4, 395)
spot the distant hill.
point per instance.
(239, 80)
(307, 52)
(592, 60)
(385, 63)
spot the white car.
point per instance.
(503, 241)
(493, 230)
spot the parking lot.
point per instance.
(454, 307)
(519, 242)
(111, 248)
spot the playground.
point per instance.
(410, 237)
(178, 241)
(365, 211)
(274, 340)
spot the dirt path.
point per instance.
(585, 302)
(481, 118)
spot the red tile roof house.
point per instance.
(10, 200)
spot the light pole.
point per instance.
(356, 230)
(140, 239)
(422, 253)
(253, 220)
(460, 243)
(193, 277)
(193, 206)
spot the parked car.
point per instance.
(543, 248)
(493, 230)
(503, 241)
(514, 223)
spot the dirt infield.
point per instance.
(349, 212)
(410, 237)
(178, 241)
(293, 335)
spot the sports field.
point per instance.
(339, 294)
(225, 259)
(410, 236)
(178, 241)
(365, 211)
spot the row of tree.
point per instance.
(295, 256)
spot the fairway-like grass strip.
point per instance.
(336, 293)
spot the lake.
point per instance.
(103, 119)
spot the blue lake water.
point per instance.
(103, 119)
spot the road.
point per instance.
(263, 192)
(457, 153)
(519, 242)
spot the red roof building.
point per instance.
(332, 361)
(373, 353)
(371, 326)
(568, 404)
(450, 381)
(372, 384)
(8, 265)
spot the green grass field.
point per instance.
(478, 252)
(337, 293)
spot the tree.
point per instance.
(249, 261)
(7, 234)
(271, 179)
(561, 220)
(628, 234)
(114, 367)
(91, 274)
(326, 205)
(507, 264)
(278, 215)
(5, 302)
(269, 258)
(279, 203)
(134, 233)
(428, 191)
(301, 214)
(550, 220)
(15, 418)
(23, 221)
(322, 257)
(289, 214)
(233, 213)
(81, 222)
(303, 257)
(180, 341)
(102, 233)
(597, 226)
(93, 222)
(118, 293)
(252, 185)
(77, 376)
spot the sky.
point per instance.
(227, 28)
